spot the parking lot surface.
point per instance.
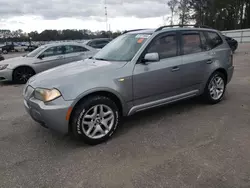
(184, 145)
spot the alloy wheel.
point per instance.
(98, 121)
(216, 87)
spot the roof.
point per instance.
(63, 43)
(98, 39)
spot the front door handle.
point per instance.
(176, 68)
(209, 61)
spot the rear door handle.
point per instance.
(209, 61)
(176, 68)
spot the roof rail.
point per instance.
(127, 31)
(196, 26)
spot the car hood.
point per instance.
(73, 72)
(17, 61)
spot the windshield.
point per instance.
(36, 51)
(123, 48)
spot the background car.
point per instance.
(232, 43)
(8, 48)
(1, 58)
(98, 43)
(30, 48)
(20, 69)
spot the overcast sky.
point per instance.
(30, 15)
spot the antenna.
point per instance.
(106, 14)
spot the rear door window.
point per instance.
(191, 42)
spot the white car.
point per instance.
(20, 69)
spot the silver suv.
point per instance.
(138, 70)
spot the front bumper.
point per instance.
(230, 72)
(6, 75)
(51, 115)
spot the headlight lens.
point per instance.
(46, 95)
(4, 66)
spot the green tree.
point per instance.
(173, 5)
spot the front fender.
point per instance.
(101, 89)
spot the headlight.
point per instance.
(46, 95)
(4, 66)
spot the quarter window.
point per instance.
(165, 46)
(74, 49)
(204, 42)
(79, 49)
(214, 39)
(191, 43)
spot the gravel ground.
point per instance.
(184, 145)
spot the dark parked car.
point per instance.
(232, 43)
(30, 48)
(1, 58)
(8, 48)
(98, 43)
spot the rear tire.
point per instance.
(95, 120)
(22, 74)
(215, 88)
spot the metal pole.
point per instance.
(106, 14)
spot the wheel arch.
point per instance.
(223, 71)
(21, 66)
(102, 92)
(28, 66)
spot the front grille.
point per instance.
(28, 92)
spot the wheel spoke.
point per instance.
(109, 118)
(93, 115)
(101, 111)
(107, 113)
(103, 132)
(105, 124)
(96, 129)
(90, 128)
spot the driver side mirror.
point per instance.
(151, 57)
(41, 56)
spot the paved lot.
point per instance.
(185, 145)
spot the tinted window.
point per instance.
(53, 51)
(204, 42)
(214, 39)
(165, 46)
(79, 49)
(74, 49)
(101, 42)
(36, 51)
(191, 43)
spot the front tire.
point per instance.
(215, 88)
(95, 120)
(22, 74)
